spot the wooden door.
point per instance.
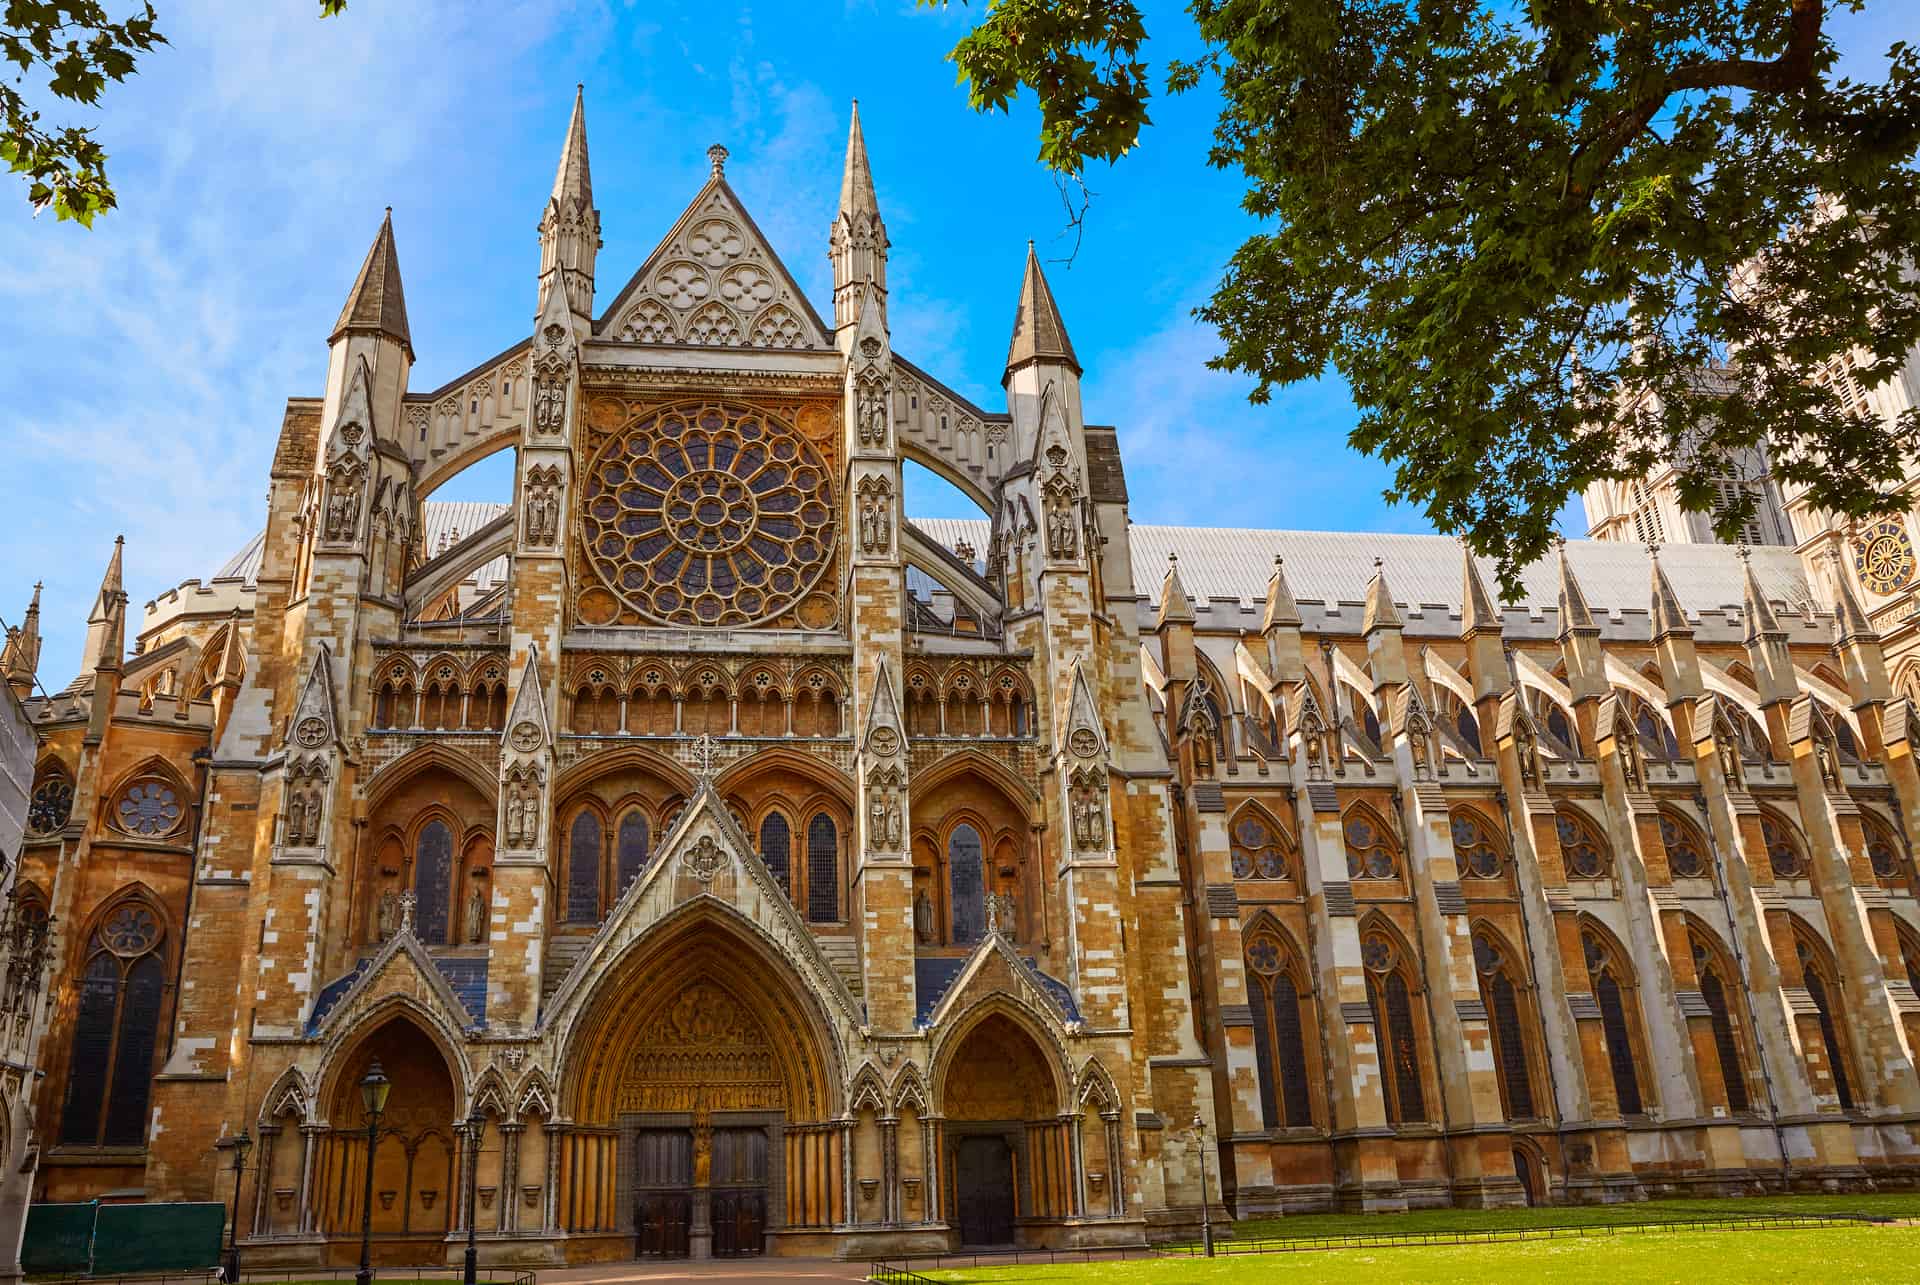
(739, 1204)
(663, 1199)
(983, 1191)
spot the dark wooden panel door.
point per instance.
(663, 1201)
(739, 1222)
(983, 1191)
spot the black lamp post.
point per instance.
(1206, 1214)
(475, 1124)
(242, 1143)
(374, 1087)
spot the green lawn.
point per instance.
(1853, 1254)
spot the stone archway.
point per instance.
(703, 1094)
(1007, 1152)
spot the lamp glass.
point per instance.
(374, 1087)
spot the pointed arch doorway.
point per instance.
(701, 1084)
(1008, 1157)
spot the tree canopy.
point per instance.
(70, 49)
(1546, 242)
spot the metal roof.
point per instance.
(446, 521)
(1336, 566)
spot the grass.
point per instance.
(1858, 1254)
(1866, 1252)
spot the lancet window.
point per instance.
(1613, 992)
(1502, 997)
(1279, 1027)
(116, 1025)
(1390, 999)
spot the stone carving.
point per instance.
(1084, 742)
(306, 801)
(872, 410)
(705, 859)
(922, 917)
(476, 924)
(883, 820)
(525, 736)
(1063, 537)
(876, 515)
(542, 504)
(523, 806)
(312, 731)
(387, 917)
(341, 519)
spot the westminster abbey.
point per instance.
(716, 860)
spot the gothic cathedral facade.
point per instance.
(715, 860)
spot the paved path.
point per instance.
(765, 1271)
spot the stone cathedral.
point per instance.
(717, 861)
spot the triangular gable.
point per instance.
(1085, 735)
(705, 857)
(995, 968)
(714, 282)
(527, 730)
(400, 967)
(884, 734)
(314, 723)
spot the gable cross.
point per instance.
(704, 750)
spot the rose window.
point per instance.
(709, 515)
(148, 807)
(130, 930)
(51, 805)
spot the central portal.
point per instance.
(701, 1068)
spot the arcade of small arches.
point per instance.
(701, 1103)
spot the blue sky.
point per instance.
(148, 360)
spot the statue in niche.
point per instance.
(516, 819)
(1078, 808)
(477, 910)
(387, 916)
(873, 414)
(1096, 820)
(543, 504)
(1829, 764)
(549, 403)
(922, 917)
(296, 815)
(1062, 540)
(876, 520)
(342, 516)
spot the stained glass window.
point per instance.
(433, 882)
(1883, 849)
(1613, 1023)
(1279, 1049)
(1256, 849)
(712, 514)
(1783, 848)
(1820, 991)
(632, 855)
(967, 884)
(1473, 846)
(116, 1025)
(1582, 850)
(51, 806)
(823, 870)
(776, 849)
(1369, 854)
(1685, 857)
(149, 808)
(583, 869)
(1714, 993)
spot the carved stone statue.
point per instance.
(297, 815)
(873, 414)
(549, 404)
(1062, 541)
(387, 918)
(922, 917)
(477, 913)
(516, 820)
(1078, 808)
(1096, 822)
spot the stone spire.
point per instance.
(1766, 642)
(377, 305)
(21, 657)
(1669, 618)
(100, 619)
(857, 242)
(1175, 606)
(1380, 613)
(573, 182)
(1761, 622)
(1478, 611)
(1848, 614)
(1575, 615)
(1038, 332)
(1282, 610)
(570, 226)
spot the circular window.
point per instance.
(1368, 856)
(709, 515)
(1474, 849)
(148, 807)
(1883, 557)
(1580, 849)
(1376, 952)
(51, 805)
(1782, 851)
(130, 930)
(1684, 857)
(1264, 955)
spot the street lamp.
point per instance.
(475, 1123)
(1206, 1214)
(374, 1087)
(242, 1143)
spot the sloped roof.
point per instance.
(442, 519)
(1335, 566)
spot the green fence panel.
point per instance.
(57, 1239)
(157, 1238)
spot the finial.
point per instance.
(717, 157)
(1278, 562)
(407, 903)
(1653, 548)
(1746, 553)
(1377, 564)
(704, 750)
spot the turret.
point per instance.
(857, 243)
(570, 227)
(20, 659)
(372, 328)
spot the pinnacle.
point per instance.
(1480, 612)
(1282, 610)
(573, 182)
(1669, 618)
(1761, 622)
(1175, 606)
(1038, 332)
(856, 181)
(1574, 612)
(376, 304)
(1381, 613)
(110, 583)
